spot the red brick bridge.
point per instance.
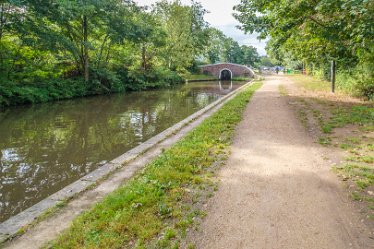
(227, 71)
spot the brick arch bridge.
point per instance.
(227, 71)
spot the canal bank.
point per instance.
(86, 199)
(46, 147)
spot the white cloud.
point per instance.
(220, 16)
(244, 39)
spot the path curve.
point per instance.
(276, 191)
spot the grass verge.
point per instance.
(210, 77)
(201, 77)
(310, 83)
(155, 208)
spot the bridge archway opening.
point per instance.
(225, 74)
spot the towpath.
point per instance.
(276, 190)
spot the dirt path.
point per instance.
(277, 191)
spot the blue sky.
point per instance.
(220, 16)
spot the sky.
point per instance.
(220, 17)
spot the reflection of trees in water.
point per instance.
(55, 144)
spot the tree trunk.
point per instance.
(101, 51)
(108, 53)
(85, 49)
(144, 57)
(2, 23)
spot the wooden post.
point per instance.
(333, 74)
(303, 72)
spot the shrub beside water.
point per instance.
(141, 80)
(102, 81)
(55, 89)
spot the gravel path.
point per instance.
(276, 190)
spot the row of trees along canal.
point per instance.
(66, 48)
(315, 33)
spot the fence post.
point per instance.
(333, 74)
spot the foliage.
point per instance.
(266, 62)
(315, 33)
(221, 48)
(186, 33)
(59, 49)
(140, 80)
(55, 89)
(106, 46)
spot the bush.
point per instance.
(140, 80)
(55, 89)
(105, 81)
(358, 82)
(102, 81)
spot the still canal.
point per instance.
(45, 147)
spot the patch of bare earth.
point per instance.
(278, 189)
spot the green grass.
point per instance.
(353, 140)
(370, 147)
(360, 115)
(346, 146)
(310, 83)
(303, 117)
(324, 141)
(156, 205)
(363, 176)
(241, 79)
(361, 158)
(201, 77)
(210, 77)
(356, 196)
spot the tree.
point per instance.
(214, 48)
(186, 32)
(80, 28)
(150, 36)
(9, 14)
(250, 55)
(316, 32)
(60, 49)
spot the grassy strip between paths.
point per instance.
(155, 208)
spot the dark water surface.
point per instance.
(43, 148)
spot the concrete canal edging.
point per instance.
(90, 189)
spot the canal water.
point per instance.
(45, 147)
